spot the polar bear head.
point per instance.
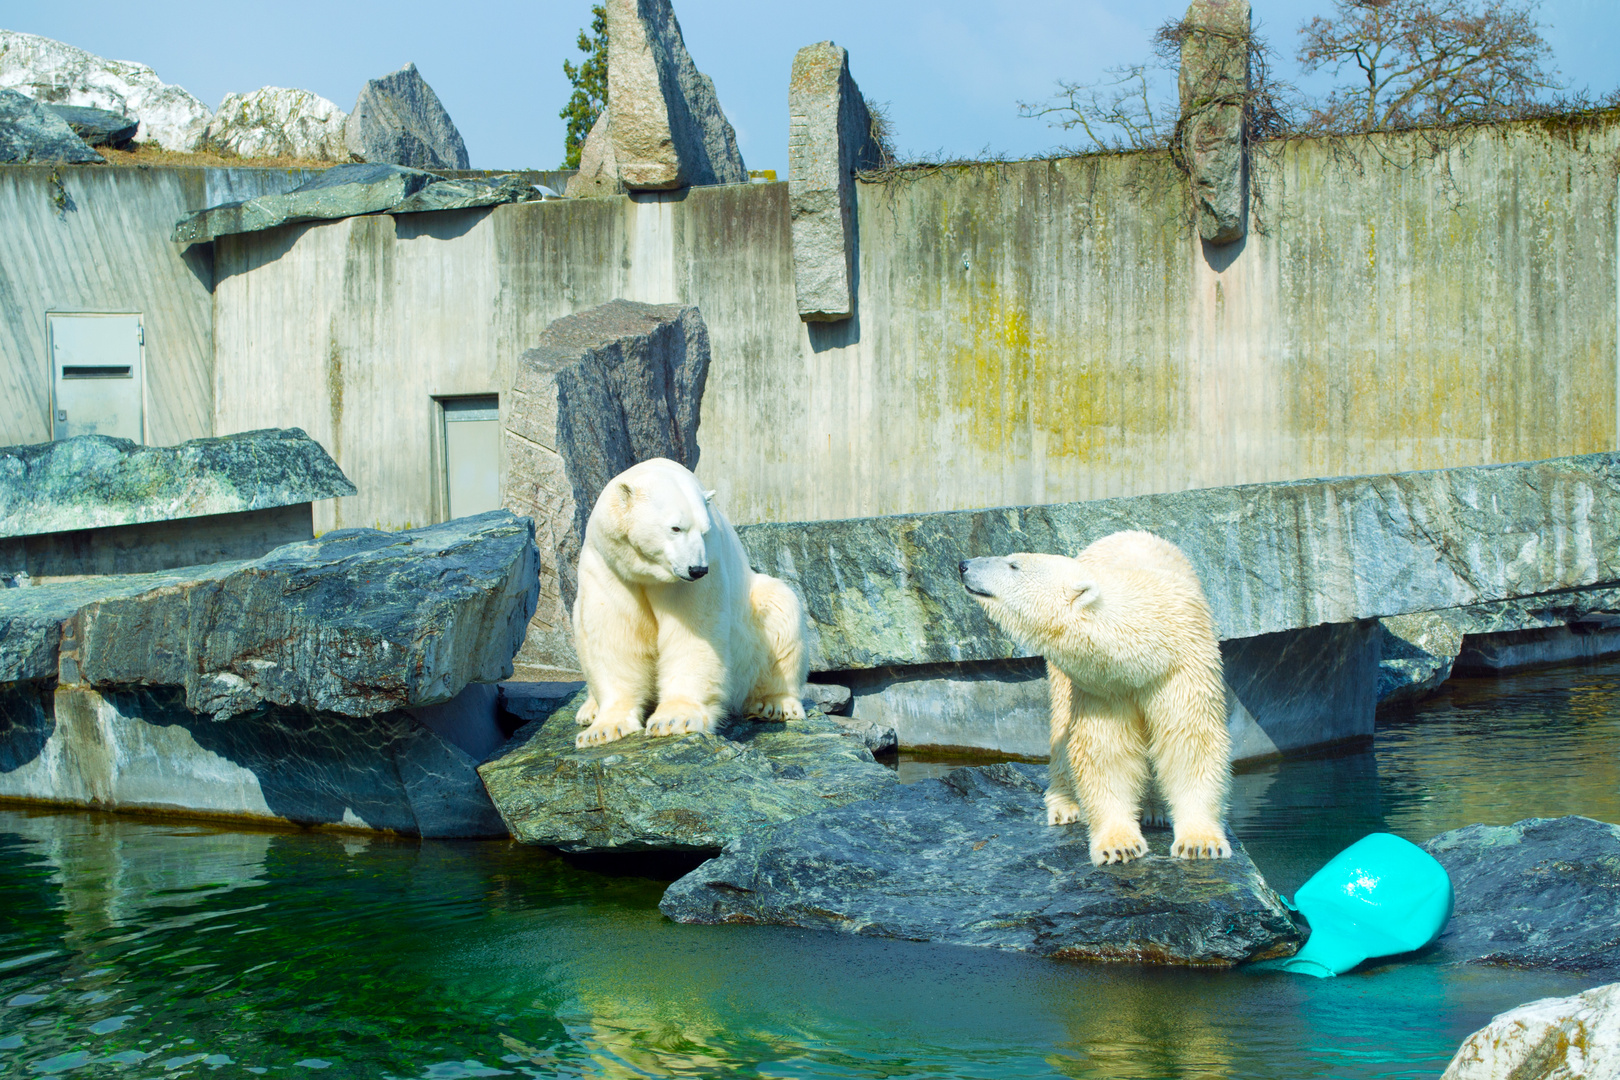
(1038, 599)
(654, 523)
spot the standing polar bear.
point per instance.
(668, 611)
(1135, 673)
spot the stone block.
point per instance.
(398, 120)
(598, 173)
(277, 122)
(29, 132)
(676, 793)
(339, 192)
(969, 860)
(601, 391)
(1214, 88)
(97, 127)
(829, 138)
(1550, 1039)
(667, 127)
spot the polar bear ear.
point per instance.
(1083, 592)
(708, 496)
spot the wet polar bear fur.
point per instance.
(1136, 688)
(669, 612)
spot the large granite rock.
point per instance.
(600, 391)
(339, 192)
(468, 192)
(598, 172)
(829, 138)
(93, 481)
(969, 860)
(1568, 1038)
(1214, 96)
(1544, 892)
(666, 124)
(1272, 557)
(276, 122)
(357, 622)
(29, 132)
(398, 120)
(58, 74)
(97, 127)
(677, 793)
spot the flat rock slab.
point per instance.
(356, 622)
(1542, 893)
(677, 793)
(339, 192)
(968, 859)
(468, 193)
(97, 127)
(29, 132)
(95, 481)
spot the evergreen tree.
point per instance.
(590, 87)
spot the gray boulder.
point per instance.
(97, 127)
(969, 860)
(470, 192)
(29, 132)
(1214, 88)
(1544, 892)
(357, 622)
(339, 192)
(598, 173)
(601, 390)
(397, 120)
(666, 123)
(677, 793)
(1567, 1038)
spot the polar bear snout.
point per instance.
(695, 572)
(982, 576)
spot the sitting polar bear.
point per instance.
(668, 611)
(1135, 673)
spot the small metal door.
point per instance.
(96, 375)
(472, 454)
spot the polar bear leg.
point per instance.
(691, 683)
(777, 693)
(1062, 802)
(614, 637)
(1191, 750)
(1108, 761)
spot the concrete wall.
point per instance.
(96, 239)
(1025, 333)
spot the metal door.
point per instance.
(96, 375)
(472, 454)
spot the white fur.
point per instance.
(1136, 688)
(670, 614)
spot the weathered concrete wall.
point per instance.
(1029, 333)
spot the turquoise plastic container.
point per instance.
(1378, 897)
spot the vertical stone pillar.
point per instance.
(1214, 92)
(829, 138)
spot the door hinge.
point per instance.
(140, 335)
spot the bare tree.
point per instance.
(1426, 61)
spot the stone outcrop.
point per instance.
(398, 120)
(600, 391)
(1272, 557)
(667, 127)
(969, 860)
(678, 793)
(58, 74)
(598, 169)
(29, 132)
(1214, 96)
(98, 127)
(829, 138)
(277, 122)
(1568, 1038)
(357, 622)
(94, 481)
(1541, 893)
(339, 192)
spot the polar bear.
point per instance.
(668, 611)
(1135, 674)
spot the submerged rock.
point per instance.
(677, 793)
(277, 122)
(1544, 892)
(339, 192)
(398, 120)
(1551, 1039)
(969, 860)
(97, 127)
(29, 132)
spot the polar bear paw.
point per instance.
(1060, 809)
(785, 707)
(1201, 842)
(587, 712)
(1117, 843)
(608, 729)
(679, 717)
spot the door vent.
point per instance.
(97, 371)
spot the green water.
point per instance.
(154, 949)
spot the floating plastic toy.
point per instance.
(1380, 896)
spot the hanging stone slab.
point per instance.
(339, 192)
(968, 859)
(468, 193)
(1214, 86)
(29, 132)
(398, 120)
(676, 793)
(97, 127)
(1540, 893)
(600, 391)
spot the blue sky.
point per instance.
(952, 71)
